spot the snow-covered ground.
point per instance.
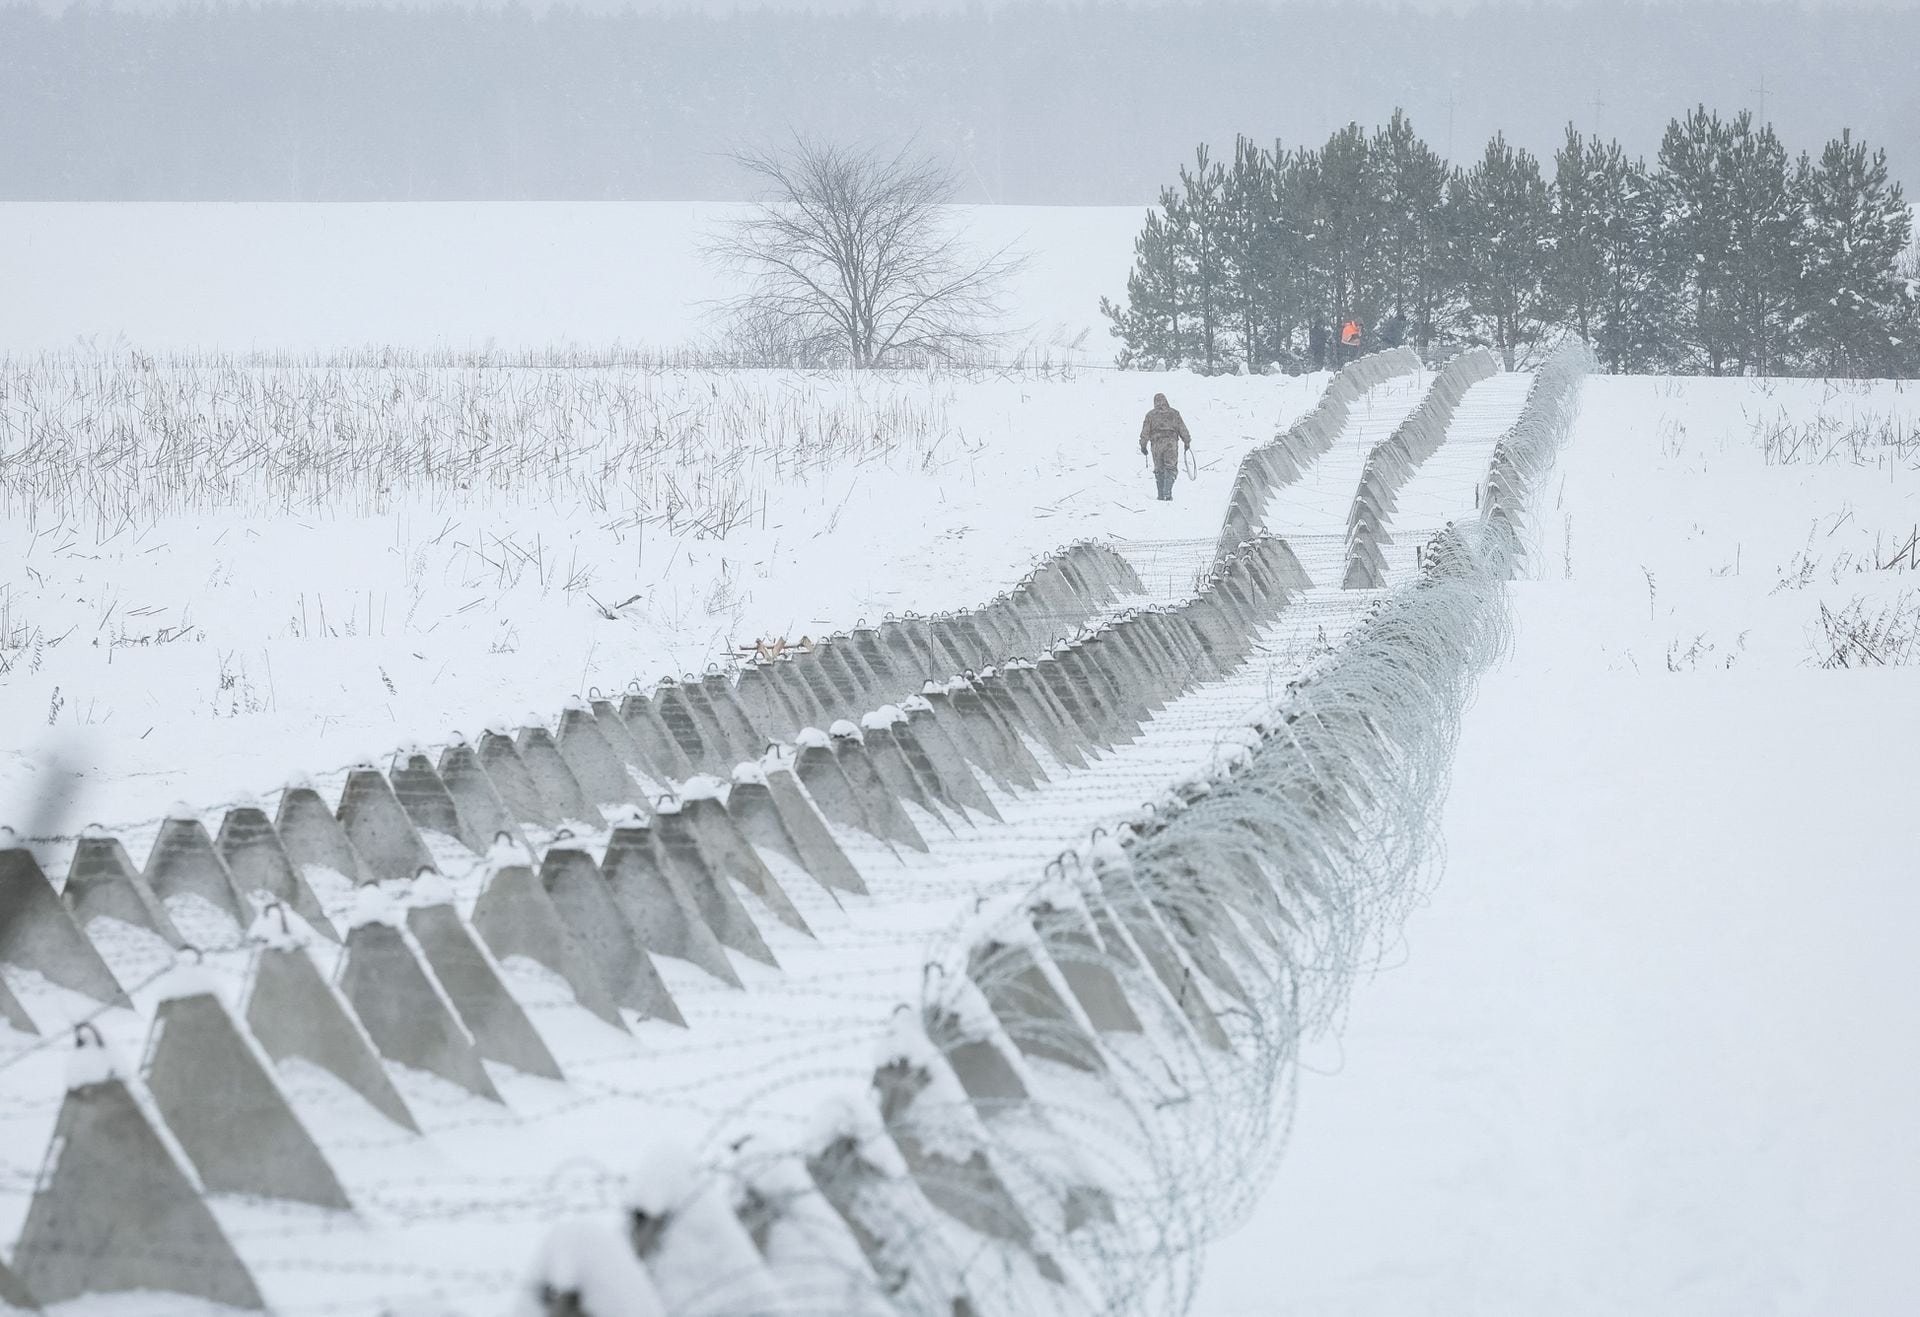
(273, 641)
(1642, 1051)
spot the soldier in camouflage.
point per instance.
(1162, 434)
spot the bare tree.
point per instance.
(850, 256)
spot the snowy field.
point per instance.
(299, 621)
(1640, 1052)
(1637, 1052)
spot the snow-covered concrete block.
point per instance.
(116, 1212)
(500, 1027)
(405, 1011)
(103, 884)
(602, 913)
(221, 1104)
(382, 835)
(293, 1013)
(40, 934)
(258, 862)
(514, 916)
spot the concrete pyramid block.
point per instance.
(867, 643)
(293, 1013)
(183, 863)
(12, 1013)
(743, 735)
(1007, 759)
(405, 1013)
(663, 755)
(945, 777)
(554, 779)
(1135, 914)
(862, 1177)
(884, 816)
(787, 677)
(595, 766)
(896, 774)
(1010, 976)
(38, 933)
(986, 1072)
(515, 917)
(820, 772)
(115, 1212)
(382, 835)
(753, 809)
(874, 688)
(483, 815)
(723, 746)
(511, 781)
(1083, 965)
(754, 813)
(1190, 929)
(764, 708)
(907, 656)
(729, 853)
(15, 1297)
(226, 1112)
(832, 665)
(676, 712)
(500, 1028)
(1042, 714)
(257, 862)
(938, 697)
(618, 736)
(585, 902)
(681, 1225)
(687, 860)
(947, 758)
(820, 855)
(825, 697)
(428, 803)
(103, 884)
(939, 1136)
(660, 908)
(314, 839)
(991, 692)
(813, 1258)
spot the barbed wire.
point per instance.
(1094, 1077)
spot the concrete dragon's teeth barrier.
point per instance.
(962, 1154)
(1394, 460)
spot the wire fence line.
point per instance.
(1093, 1067)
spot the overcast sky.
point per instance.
(1035, 102)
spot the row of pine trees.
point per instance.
(1726, 255)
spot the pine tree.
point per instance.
(1256, 261)
(1693, 157)
(1858, 309)
(1149, 326)
(1502, 244)
(1349, 218)
(1198, 218)
(1411, 183)
(1764, 258)
(1606, 280)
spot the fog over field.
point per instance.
(1034, 103)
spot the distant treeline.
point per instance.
(1726, 255)
(1069, 103)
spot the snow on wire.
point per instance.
(1097, 1077)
